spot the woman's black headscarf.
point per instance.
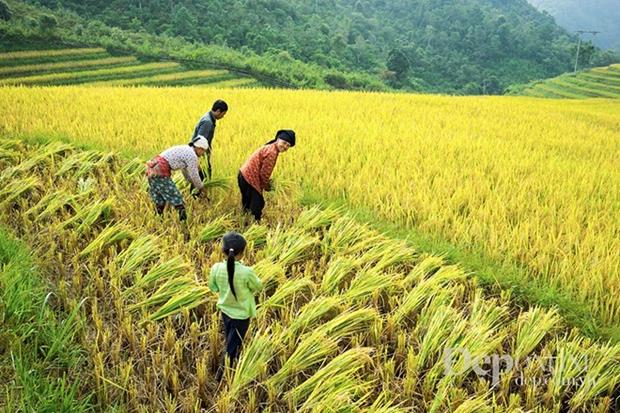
(287, 135)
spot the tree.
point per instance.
(398, 63)
(183, 23)
(48, 22)
(5, 11)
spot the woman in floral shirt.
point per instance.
(162, 188)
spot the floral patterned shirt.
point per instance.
(258, 168)
(184, 158)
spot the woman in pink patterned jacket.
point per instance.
(254, 176)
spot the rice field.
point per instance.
(349, 320)
(602, 82)
(95, 66)
(529, 182)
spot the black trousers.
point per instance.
(235, 331)
(251, 199)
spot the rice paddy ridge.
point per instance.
(349, 318)
(97, 67)
(602, 82)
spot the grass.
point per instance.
(43, 360)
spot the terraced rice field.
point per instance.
(350, 320)
(603, 82)
(96, 66)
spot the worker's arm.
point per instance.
(192, 175)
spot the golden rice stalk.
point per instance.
(312, 350)
(426, 290)
(80, 163)
(602, 375)
(313, 312)
(271, 274)
(339, 269)
(51, 203)
(217, 183)
(11, 144)
(18, 188)
(474, 405)
(570, 361)
(253, 362)
(345, 366)
(316, 218)
(8, 155)
(215, 229)
(288, 248)
(140, 251)
(337, 393)
(256, 234)
(348, 237)
(132, 168)
(350, 322)
(426, 267)
(287, 292)
(367, 283)
(184, 300)
(532, 326)
(43, 154)
(432, 329)
(388, 253)
(87, 216)
(112, 234)
(169, 289)
(384, 404)
(175, 267)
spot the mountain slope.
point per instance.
(474, 46)
(598, 15)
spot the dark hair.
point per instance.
(287, 135)
(219, 105)
(233, 244)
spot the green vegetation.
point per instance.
(40, 359)
(601, 82)
(33, 27)
(473, 47)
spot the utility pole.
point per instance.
(580, 32)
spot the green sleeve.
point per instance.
(212, 282)
(254, 283)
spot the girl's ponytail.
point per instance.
(230, 266)
(233, 244)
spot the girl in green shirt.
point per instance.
(236, 285)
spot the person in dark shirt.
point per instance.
(206, 128)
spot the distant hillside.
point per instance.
(600, 82)
(458, 46)
(96, 66)
(599, 15)
(26, 26)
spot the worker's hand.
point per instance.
(203, 193)
(269, 186)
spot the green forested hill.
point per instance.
(473, 46)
